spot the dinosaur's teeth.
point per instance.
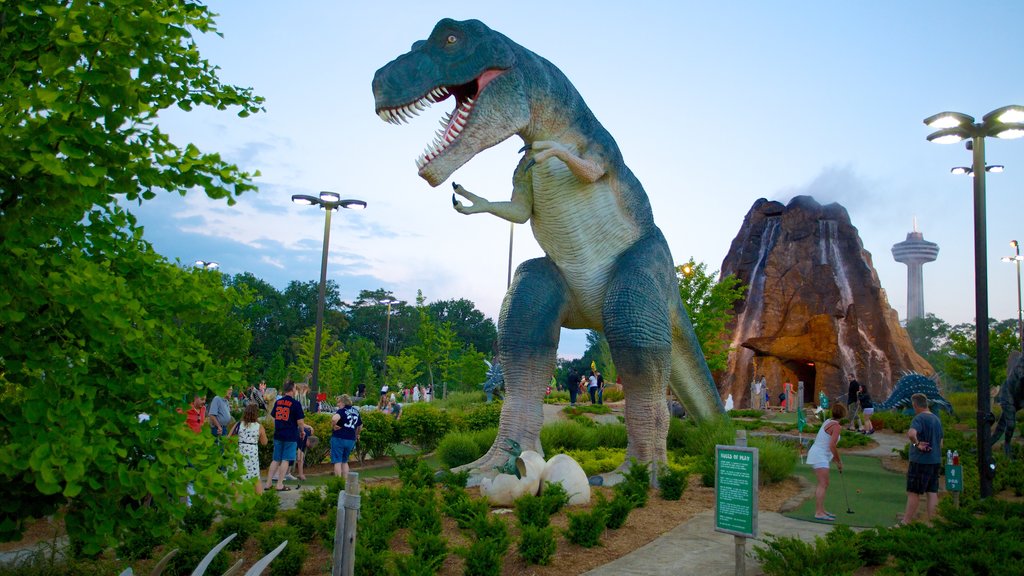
(421, 104)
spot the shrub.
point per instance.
(555, 497)
(537, 544)
(613, 394)
(581, 409)
(307, 526)
(377, 435)
(458, 448)
(585, 528)
(267, 506)
(484, 557)
(482, 416)
(289, 562)
(746, 413)
(461, 400)
(557, 397)
(311, 502)
(776, 459)
(369, 561)
(676, 434)
(139, 544)
(532, 511)
(244, 525)
(636, 484)
(895, 421)
(598, 460)
(616, 510)
(834, 554)
(673, 482)
(610, 436)
(192, 548)
(414, 472)
(423, 425)
(429, 549)
(199, 516)
(458, 506)
(564, 435)
(450, 479)
(334, 485)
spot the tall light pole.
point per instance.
(1020, 311)
(952, 127)
(329, 201)
(387, 337)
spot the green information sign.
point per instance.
(954, 478)
(736, 490)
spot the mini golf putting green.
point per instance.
(877, 496)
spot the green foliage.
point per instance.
(199, 516)
(616, 510)
(566, 435)
(613, 393)
(289, 562)
(423, 424)
(322, 429)
(531, 510)
(306, 526)
(555, 497)
(369, 561)
(140, 544)
(267, 505)
(746, 413)
(403, 368)
(537, 544)
(598, 460)
(635, 485)
(377, 436)
(243, 525)
(484, 557)
(458, 506)
(482, 416)
(776, 460)
(462, 400)
(895, 421)
(414, 472)
(585, 528)
(458, 448)
(836, 553)
(963, 402)
(709, 303)
(429, 550)
(312, 501)
(95, 327)
(192, 548)
(580, 409)
(673, 482)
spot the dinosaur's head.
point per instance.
(473, 65)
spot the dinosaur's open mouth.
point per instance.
(453, 122)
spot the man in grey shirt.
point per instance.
(219, 414)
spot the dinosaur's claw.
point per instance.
(525, 147)
(454, 201)
(529, 165)
(454, 186)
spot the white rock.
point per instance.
(567, 472)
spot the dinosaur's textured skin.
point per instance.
(1011, 399)
(909, 385)
(607, 266)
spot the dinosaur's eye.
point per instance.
(452, 39)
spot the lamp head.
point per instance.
(305, 199)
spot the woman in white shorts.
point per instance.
(821, 453)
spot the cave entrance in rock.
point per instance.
(806, 373)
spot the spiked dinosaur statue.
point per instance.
(607, 266)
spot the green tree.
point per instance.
(102, 339)
(404, 369)
(959, 364)
(709, 303)
(930, 337)
(470, 325)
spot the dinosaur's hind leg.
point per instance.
(637, 326)
(530, 320)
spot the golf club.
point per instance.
(847, 496)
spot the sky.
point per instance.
(713, 105)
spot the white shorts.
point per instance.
(869, 411)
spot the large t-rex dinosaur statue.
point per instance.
(1011, 399)
(607, 266)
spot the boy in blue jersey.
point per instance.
(289, 426)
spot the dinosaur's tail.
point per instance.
(691, 379)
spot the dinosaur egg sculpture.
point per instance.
(502, 490)
(567, 472)
(530, 465)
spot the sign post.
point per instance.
(736, 484)
(955, 481)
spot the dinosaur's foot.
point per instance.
(487, 465)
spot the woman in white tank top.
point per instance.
(821, 453)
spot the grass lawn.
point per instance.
(876, 495)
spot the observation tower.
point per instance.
(915, 252)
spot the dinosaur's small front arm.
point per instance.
(518, 209)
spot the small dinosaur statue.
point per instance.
(1011, 399)
(513, 450)
(911, 383)
(607, 266)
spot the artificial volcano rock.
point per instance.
(814, 310)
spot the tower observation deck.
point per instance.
(915, 252)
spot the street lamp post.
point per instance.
(329, 201)
(952, 127)
(387, 336)
(1020, 310)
